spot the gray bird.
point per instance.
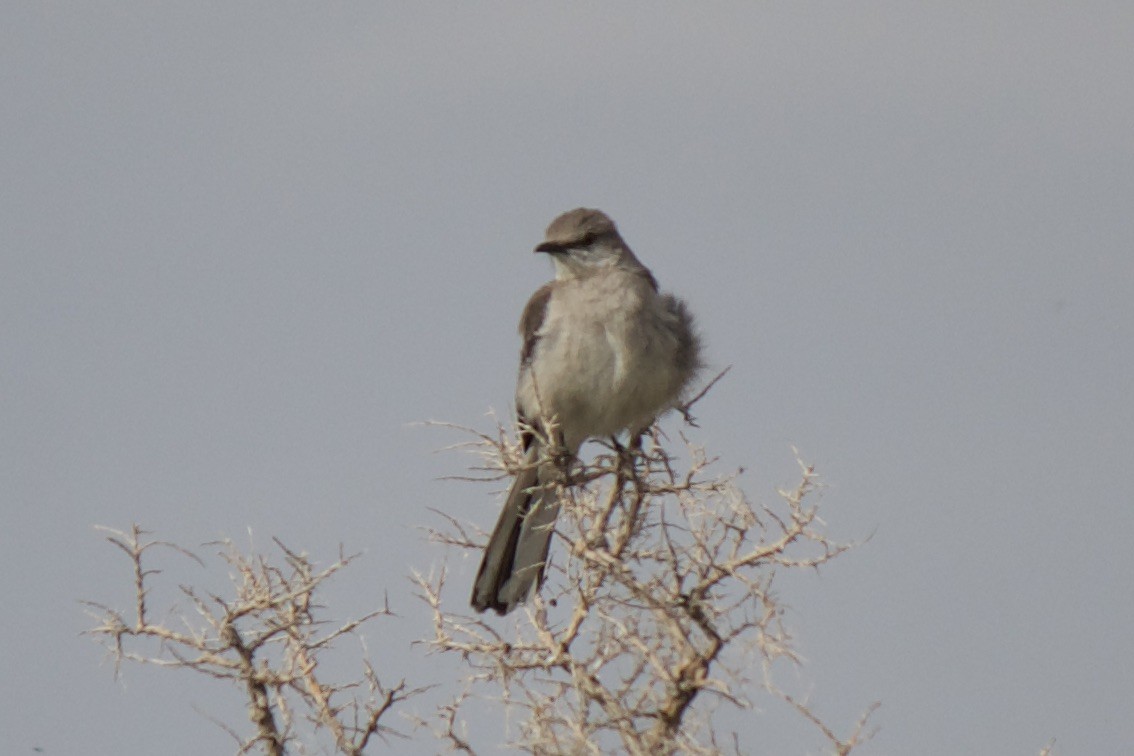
(603, 351)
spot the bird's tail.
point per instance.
(514, 560)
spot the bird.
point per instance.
(603, 351)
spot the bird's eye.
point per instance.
(586, 241)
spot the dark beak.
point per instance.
(550, 247)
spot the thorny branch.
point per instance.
(266, 636)
(659, 606)
(658, 609)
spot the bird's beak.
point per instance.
(550, 247)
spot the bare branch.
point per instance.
(664, 593)
(267, 637)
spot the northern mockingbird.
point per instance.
(603, 351)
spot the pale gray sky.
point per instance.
(245, 246)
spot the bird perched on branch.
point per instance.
(603, 351)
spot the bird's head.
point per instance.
(583, 240)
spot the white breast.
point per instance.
(605, 359)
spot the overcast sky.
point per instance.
(245, 247)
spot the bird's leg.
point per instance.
(561, 457)
(619, 449)
(632, 448)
